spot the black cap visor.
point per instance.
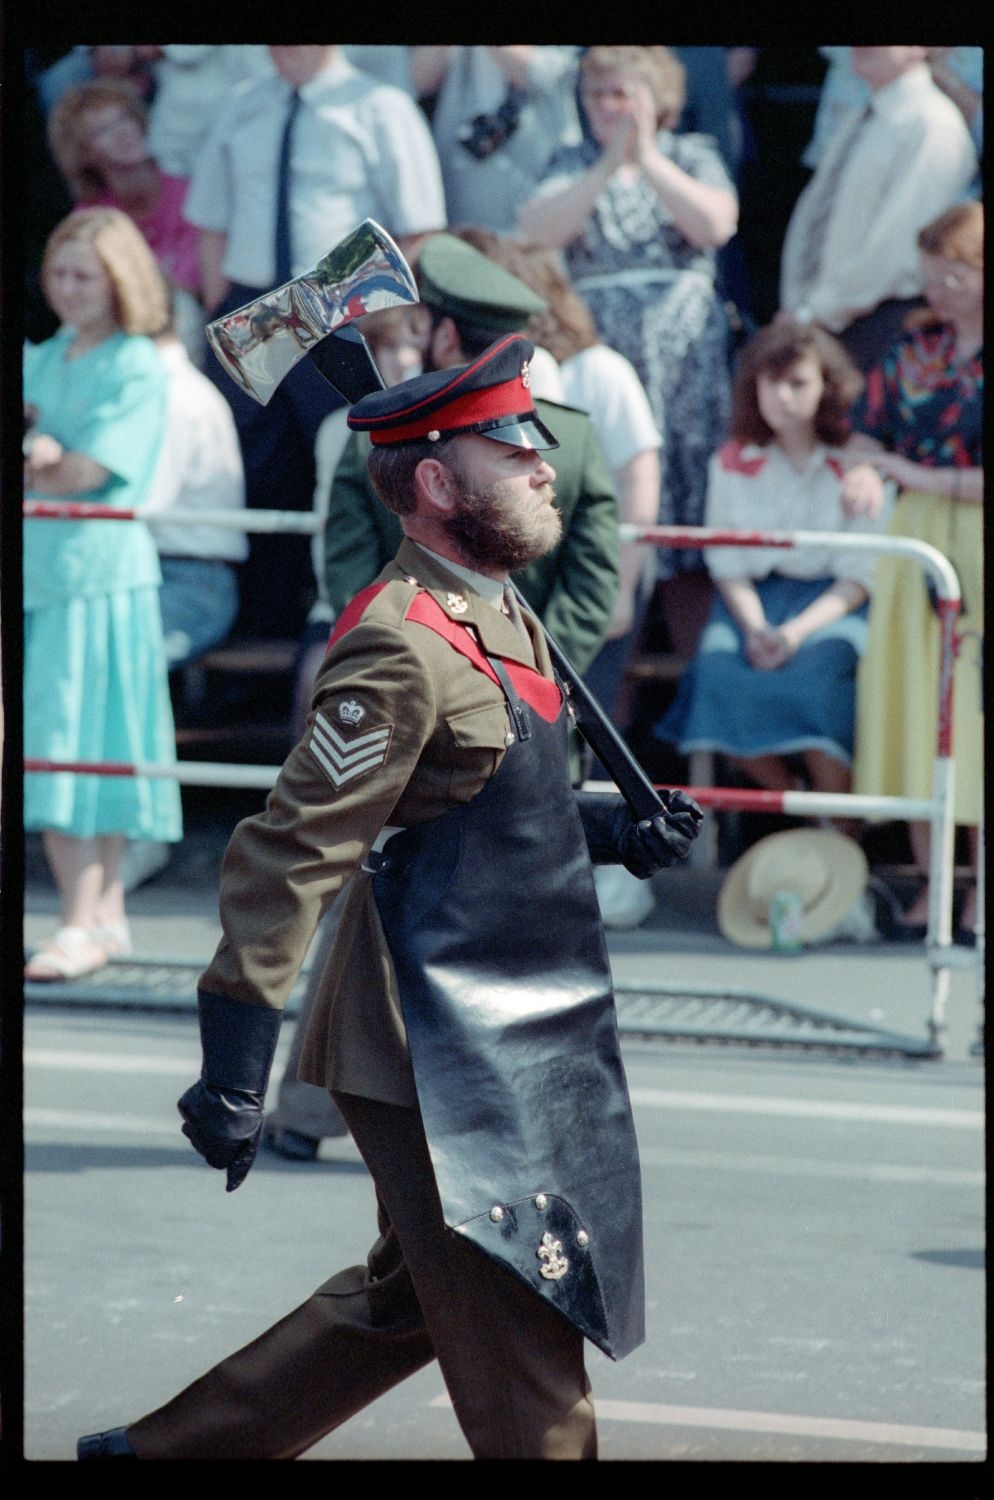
(524, 431)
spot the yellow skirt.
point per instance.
(898, 678)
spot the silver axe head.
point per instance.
(259, 344)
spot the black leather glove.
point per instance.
(222, 1111)
(615, 837)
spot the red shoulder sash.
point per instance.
(534, 689)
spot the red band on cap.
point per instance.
(504, 400)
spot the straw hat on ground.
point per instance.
(826, 870)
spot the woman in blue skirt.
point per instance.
(775, 671)
(95, 684)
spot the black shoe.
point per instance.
(908, 932)
(292, 1145)
(112, 1444)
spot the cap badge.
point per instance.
(351, 712)
(434, 435)
(456, 603)
(555, 1263)
(526, 375)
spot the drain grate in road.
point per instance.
(137, 984)
(696, 1013)
(665, 1012)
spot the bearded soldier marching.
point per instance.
(465, 1023)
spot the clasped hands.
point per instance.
(770, 646)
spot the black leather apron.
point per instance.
(493, 926)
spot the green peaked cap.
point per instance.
(467, 286)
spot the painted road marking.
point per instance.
(655, 1414)
(812, 1109)
(65, 1120)
(753, 1104)
(110, 1062)
(800, 1166)
(70, 1119)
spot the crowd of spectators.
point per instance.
(609, 184)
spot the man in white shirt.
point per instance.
(850, 258)
(200, 468)
(360, 149)
(356, 148)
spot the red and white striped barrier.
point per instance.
(266, 521)
(186, 772)
(938, 810)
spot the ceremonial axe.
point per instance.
(314, 316)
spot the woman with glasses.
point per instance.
(924, 406)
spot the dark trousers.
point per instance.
(277, 443)
(513, 1366)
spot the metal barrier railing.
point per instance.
(938, 810)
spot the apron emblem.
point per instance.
(551, 1252)
(351, 712)
(456, 603)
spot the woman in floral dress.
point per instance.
(638, 214)
(924, 405)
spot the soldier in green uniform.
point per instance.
(465, 1021)
(572, 588)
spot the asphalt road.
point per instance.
(814, 1235)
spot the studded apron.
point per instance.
(493, 926)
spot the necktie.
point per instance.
(823, 202)
(284, 257)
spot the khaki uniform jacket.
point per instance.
(402, 729)
(572, 589)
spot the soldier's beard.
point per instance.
(498, 527)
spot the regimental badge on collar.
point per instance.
(351, 713)
(456, 603)
(526, 375)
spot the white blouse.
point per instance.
(756, 488)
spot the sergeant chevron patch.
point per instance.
(344, 759)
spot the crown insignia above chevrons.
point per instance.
(351, 712)
(343, 759)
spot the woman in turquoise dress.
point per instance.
(95, 682)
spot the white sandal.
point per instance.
(68, 954)
(114, 938)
